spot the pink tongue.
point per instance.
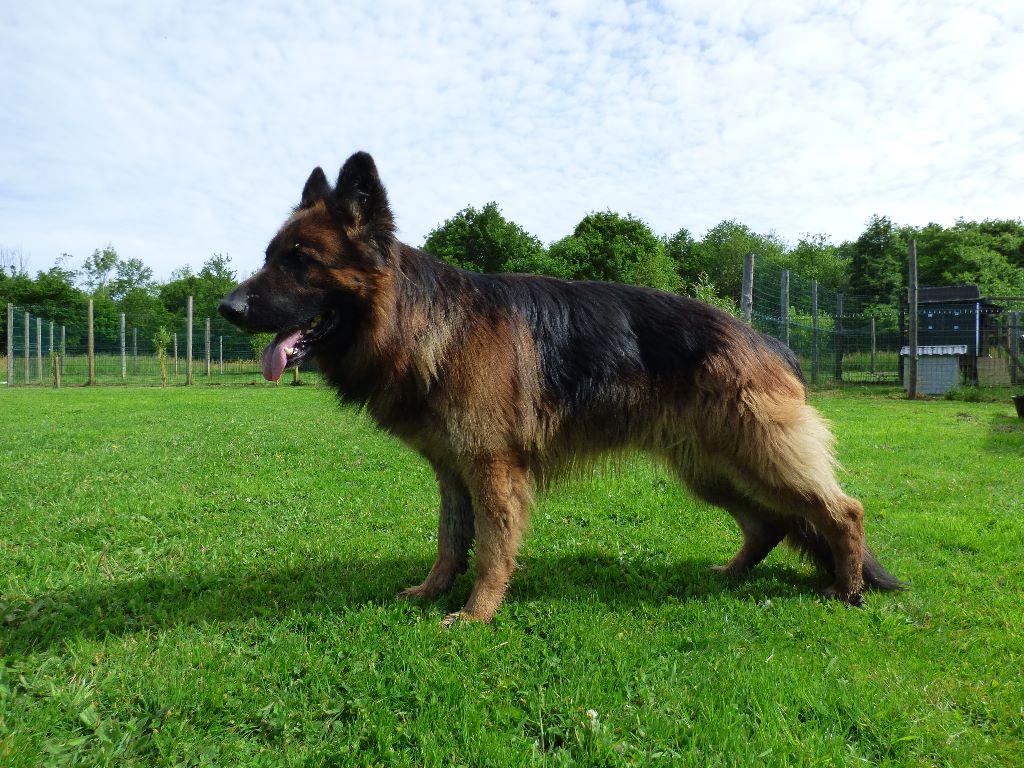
(274, 356)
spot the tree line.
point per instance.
(604, 246)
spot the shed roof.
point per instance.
(947, 293)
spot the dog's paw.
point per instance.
(855, 599)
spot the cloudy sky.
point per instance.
(177, 130)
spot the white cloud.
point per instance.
(177, 132)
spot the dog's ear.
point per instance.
(362, 203)
(317, 188)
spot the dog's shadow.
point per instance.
(336, 586)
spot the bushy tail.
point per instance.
(805, 539)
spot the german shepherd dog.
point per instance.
(503, 381)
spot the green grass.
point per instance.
(205, 577)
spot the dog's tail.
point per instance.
(803, 537)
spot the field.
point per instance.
(206, 576)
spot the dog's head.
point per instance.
(321, 267)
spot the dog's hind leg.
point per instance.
(762, 530)
(501, 490)
(454, 538)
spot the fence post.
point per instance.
(221, 343)
(839, 339)
(39, 349)
(814, 331)
(63, 348)
(124, 358)
(747, 294)
(28, 349)
(188, 342)
(175, 356)
(784, 306)
(872, 345)
(10, 345)
(206, 337)
(55, 362)
(912, 296)
(1014, 345)
(135, 351)
(92, 347)
(51, 337)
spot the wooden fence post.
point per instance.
(912, 309)
(814, 331)
(28, 349)
(872, 346)
(39, 349)
(838, 336)
(1014, 348)
(124, 357)
(92, 347)
(784, 306)
(55, 362)
(188, 342)
(747, 293)
(10, 345)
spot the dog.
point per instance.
(503, 382)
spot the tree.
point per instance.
(607, 246)
(97, 270)
(720, 255)
(485, 241)
(816, 258)
(131, 275)
(971, 252)
(877, 264)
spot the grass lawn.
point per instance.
(206, 576)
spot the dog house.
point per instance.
(938, 368)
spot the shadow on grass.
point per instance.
(335, 587)
(1005, 434)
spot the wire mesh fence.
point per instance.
(838, 339)
(39, 351)
(846, 339)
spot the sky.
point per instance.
(177, 130)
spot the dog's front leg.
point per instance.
(454, 538)
(500, 489)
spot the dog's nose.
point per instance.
(234, 307)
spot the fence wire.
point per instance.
(35, 351)
(838, 339)
(846, 339)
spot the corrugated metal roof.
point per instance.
(941, 349)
